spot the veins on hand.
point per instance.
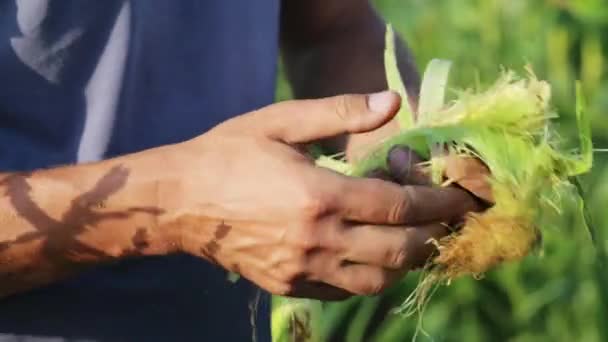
(212, 248)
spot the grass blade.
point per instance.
(583, 163)
(405, 116)
(433, 89)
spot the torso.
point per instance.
(89, 79)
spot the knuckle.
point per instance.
(401, 210)
(305, 241)
(405, 255)
(297, 269)
(342, 107)
(397, 258)
(315, 204)
(300, 264)
(420, 249)
(375, 286)
(345, 109)
(310, 243)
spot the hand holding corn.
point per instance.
(296, 229)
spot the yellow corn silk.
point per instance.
(507, 127)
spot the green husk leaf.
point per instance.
(582, 163)
(361, 319)
(334, 164)
(405, 116)
(233, 277)
(433, 90)
(585, 215)
(296, 320)
(431, 101)
(508, 127)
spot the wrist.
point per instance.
(173, 188)
(123, 199)
(159, 185)
(183, 194)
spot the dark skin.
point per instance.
(336, 47)
(289, 227)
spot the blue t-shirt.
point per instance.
(90, 79)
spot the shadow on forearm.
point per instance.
(61, 250)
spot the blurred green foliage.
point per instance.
(560, 294)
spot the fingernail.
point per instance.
(381, 102)
(400, 159)
(402, 164)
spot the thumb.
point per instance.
(309, 120)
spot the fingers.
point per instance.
(363, 279)
(378, 202)
(378, 256)
(372, 259)
(310, 120)
(404, 166)
(391, 247)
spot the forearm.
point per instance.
(56, 222)
(344, 56)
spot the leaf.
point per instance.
(471, 174)
(582, 164)
(233, 277)
(334, 164)
(315, 151)
(335, 314)
(296, 319)
(584, 129)
(587, 222)
(433, 89)
(405, 116)
(362, 319)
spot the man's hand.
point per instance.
(243, 196)
(247, 198)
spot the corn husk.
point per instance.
(509, 128)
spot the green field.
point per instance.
(561, 294)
